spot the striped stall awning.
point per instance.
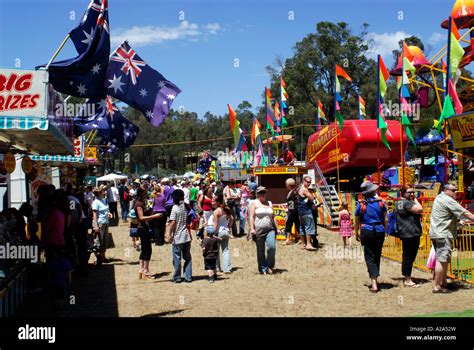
(23, 123)
(37, 134)
(58, 158)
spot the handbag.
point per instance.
(431, 262)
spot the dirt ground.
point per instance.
(325, 283)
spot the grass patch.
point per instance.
(465, 313)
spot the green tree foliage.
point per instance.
(309, 75)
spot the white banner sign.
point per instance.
(22, 93)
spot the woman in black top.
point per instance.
(292, 214)
(409, 228)
(144, 231)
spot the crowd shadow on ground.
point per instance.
(93, 294)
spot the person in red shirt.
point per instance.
(287, 157)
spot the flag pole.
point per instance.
(58, 50)
(446, 94)
(377, 111)
(266, 126)
(402, 156)
(337, 130)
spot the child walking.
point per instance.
(345, 227)
(210, 252)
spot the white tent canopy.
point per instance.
(112, 177)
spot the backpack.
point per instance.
(192, 219)
(392, 228)
(363, 205)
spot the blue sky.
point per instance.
(198, 52)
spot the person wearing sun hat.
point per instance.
(371, 219)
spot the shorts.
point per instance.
(307, 227)
(443, 248)
(210, 264)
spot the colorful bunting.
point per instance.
(362, 113)
(382, 89)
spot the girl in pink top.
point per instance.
(345, 226)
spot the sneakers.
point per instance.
(178, 280)
(210, 279)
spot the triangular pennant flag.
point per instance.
(405, 92)
(362, 113)
(447, 112)
(383, 77)
(407, 52)
(342, 73)
(382, 125)
(340, 119)
(454, 29)
(321, 113)
(408, 66)
(456, 50)
(454, 96)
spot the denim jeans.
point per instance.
(224, 251)
(237, 216)
(124, 211)
(268, 261)
(182, 250)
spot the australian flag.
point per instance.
(94, 117)
(122, 132)
(84, 75)
(132, 81)
(111, 126)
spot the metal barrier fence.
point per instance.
(462, 262)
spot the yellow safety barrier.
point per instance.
(462, 262)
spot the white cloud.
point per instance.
(149, 35)
(437, 38)
(383, 44)
(213, 28)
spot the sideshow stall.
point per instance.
(31, 122)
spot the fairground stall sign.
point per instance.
(28, 118)
(462, 130)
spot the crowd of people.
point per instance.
(74, 225)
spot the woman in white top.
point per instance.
(222, 221)
(262, 227)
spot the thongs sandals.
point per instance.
(312, 249)
(442, 291)
(411, 285)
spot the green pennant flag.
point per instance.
(382, 124)
(284, 123)
(457, 53)
(448, 111)
(340, 119)
(269, 128)
(406, 123)
(263, 161)
(244, 160)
